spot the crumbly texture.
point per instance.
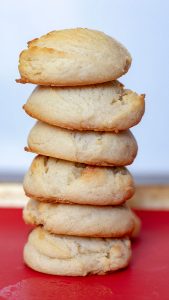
(54, 180)
(80, 220)
(102, 107)
(93, 148)
(75, 256)
(73, 57)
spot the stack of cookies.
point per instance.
(78, 183)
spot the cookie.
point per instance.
(93, 148)
(80, 220)
(73, 57)
(54, 180)
(75, 256)
(101, 107)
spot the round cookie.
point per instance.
(75, 256)
(93, 148)
(54, 180)
(73, 57)
(102, 107)
(80, 220)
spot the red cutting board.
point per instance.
(147, 277)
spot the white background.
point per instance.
(142, 26)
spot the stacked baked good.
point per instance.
(78, 183)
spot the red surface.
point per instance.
(146, 278)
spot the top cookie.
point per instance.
(73, 57)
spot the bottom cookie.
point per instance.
(75, 256)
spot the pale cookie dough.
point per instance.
(75, 256)
(59, 181)
(93, 148)
(73, 57)
(103, 107)
(80, 220)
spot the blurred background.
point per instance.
(142, 26)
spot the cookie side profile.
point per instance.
(73, 57)
(80, 220)
(75, 256)
(101, 107)
(93, 148)
(54, 180)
